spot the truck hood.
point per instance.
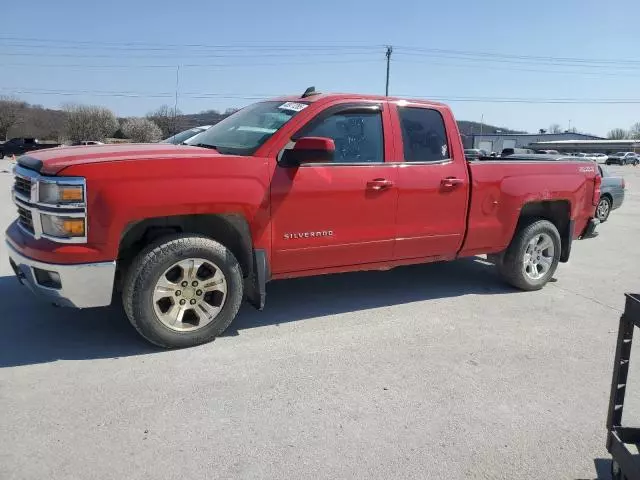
(52, 161)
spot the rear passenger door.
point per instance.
(433, 183)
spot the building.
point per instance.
(496, 142)
(589, 146)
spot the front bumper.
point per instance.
(82, 286)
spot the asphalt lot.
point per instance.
(433, 371)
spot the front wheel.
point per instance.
(533, 255)
(183, 291)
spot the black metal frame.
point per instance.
(619, 437)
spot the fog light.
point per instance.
(47, 278)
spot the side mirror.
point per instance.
(309, 150)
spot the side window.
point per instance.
(357, 135)
(423, 135)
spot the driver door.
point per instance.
(339, 213)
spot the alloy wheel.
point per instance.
(538, 256)
(190, 294)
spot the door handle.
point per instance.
(379, 184)
(451, 182)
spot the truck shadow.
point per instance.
(302, 298)
(35, 332)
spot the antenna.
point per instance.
(309, 91)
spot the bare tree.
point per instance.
(141, 130)
(88, 122)
(555, 128)
(167, 118)
(10, 110)
(617, 134)
(634, 131)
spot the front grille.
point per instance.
(25, 219)
(23, 186)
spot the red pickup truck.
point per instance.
(289, 187)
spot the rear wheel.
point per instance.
(183, 291)
(533, 255)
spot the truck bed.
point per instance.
(504, 186)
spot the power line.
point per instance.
(503, 68)
(188, 65)
(203, 49)
(517, 56)
(85, 44)
(628, 66)
(206, 55)
(253, 96)
(261, 45)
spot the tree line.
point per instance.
(78, 122)
(621, 134)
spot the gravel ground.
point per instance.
(433, 371)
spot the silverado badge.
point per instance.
(323, 233)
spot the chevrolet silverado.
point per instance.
(290, 187)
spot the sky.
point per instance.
(520, 65)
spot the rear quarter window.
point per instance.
(424, 136)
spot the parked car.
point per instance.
(20, 146)
(516, 151)
(600, 157)
(290, 187)
(185, 135)
(548, 152)
(474, 153)
(87, 142)
(623, 158)
(611, 194)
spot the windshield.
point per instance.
(619, 154)
(246, 130)
(178, 138)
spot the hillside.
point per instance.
(48, 124)
(474, 128)
(211, 117)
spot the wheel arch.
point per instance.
(608, 195)
(557, 212)
(231, 230)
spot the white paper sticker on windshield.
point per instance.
(293, 106)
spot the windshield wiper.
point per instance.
(203, 145)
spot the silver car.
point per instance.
(611, 194)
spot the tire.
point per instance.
(149, 273)
(636, 162)
(515, 267)
(604, 209)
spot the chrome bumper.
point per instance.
(82, 286)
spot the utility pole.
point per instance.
(175, 105)
(388, 55)
(481, 123)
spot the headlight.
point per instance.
(62, 227)
(54, 193)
